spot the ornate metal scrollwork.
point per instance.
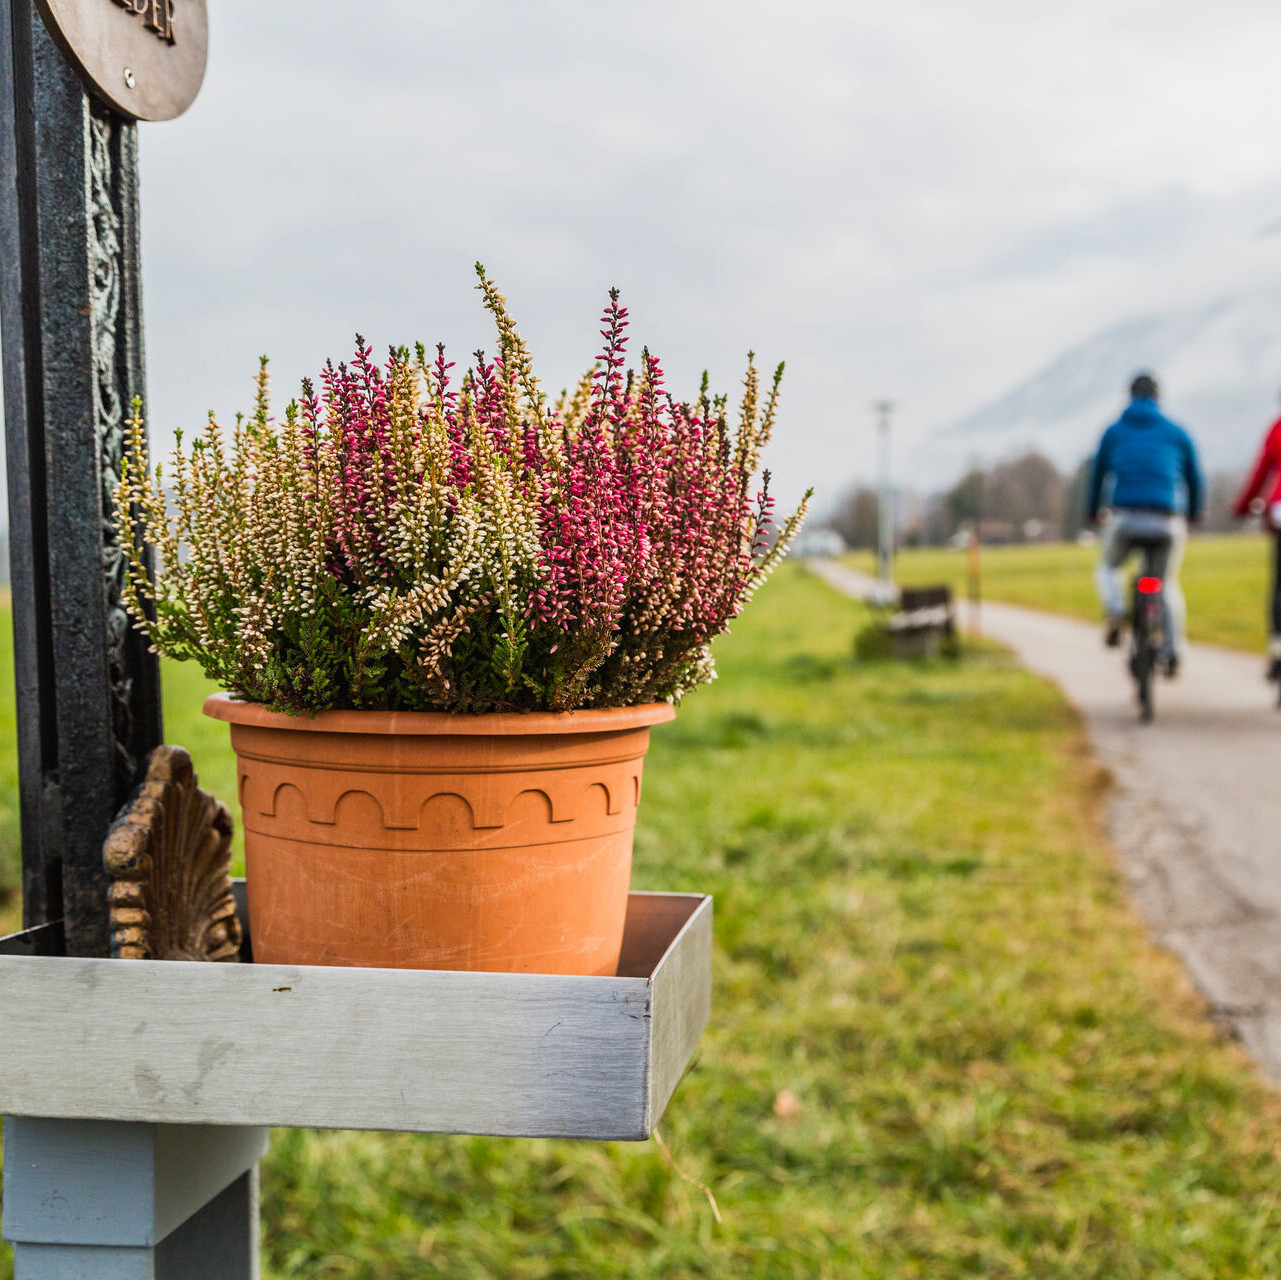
(169, 857)
(109, 418)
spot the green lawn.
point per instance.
(185, 690)
(922, 939)
(1225, 577)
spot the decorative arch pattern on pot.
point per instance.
(378, 808)
(565, 801)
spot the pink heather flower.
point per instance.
(623, 534)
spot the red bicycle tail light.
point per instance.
(1148, 586)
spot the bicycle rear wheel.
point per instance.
(1143, 676)
(1142, 658)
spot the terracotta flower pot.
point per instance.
(432, 841)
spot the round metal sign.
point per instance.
(145, 58)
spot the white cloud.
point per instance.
(922, 199)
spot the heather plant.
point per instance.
(405, 541)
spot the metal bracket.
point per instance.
(169, 858)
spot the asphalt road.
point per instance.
(1196, 814)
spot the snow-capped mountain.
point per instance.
(1219, 365)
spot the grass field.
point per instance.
(1225, 578)
(921, 939)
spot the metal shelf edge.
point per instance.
(396, 1049)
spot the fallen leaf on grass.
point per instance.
(787, 1106)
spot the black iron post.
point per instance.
(88, 691)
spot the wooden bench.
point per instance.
(925, 624)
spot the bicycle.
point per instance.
(1147, 623)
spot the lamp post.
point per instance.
(885, 502)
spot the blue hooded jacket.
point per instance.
(1152, 462)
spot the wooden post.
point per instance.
(974, 581)
(112, 1201)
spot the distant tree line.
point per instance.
(1022, 499)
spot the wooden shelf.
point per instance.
(398, 1049)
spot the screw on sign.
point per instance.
(144, 58)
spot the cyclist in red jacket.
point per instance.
(1264, 487)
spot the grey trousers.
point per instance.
(1118, 542)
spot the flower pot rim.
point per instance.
(226, 706)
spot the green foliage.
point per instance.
(873, 642)
(400, 542)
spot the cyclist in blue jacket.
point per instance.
(1146, 471)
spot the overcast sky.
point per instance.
(922, 199)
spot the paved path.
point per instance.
(1197, 812)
